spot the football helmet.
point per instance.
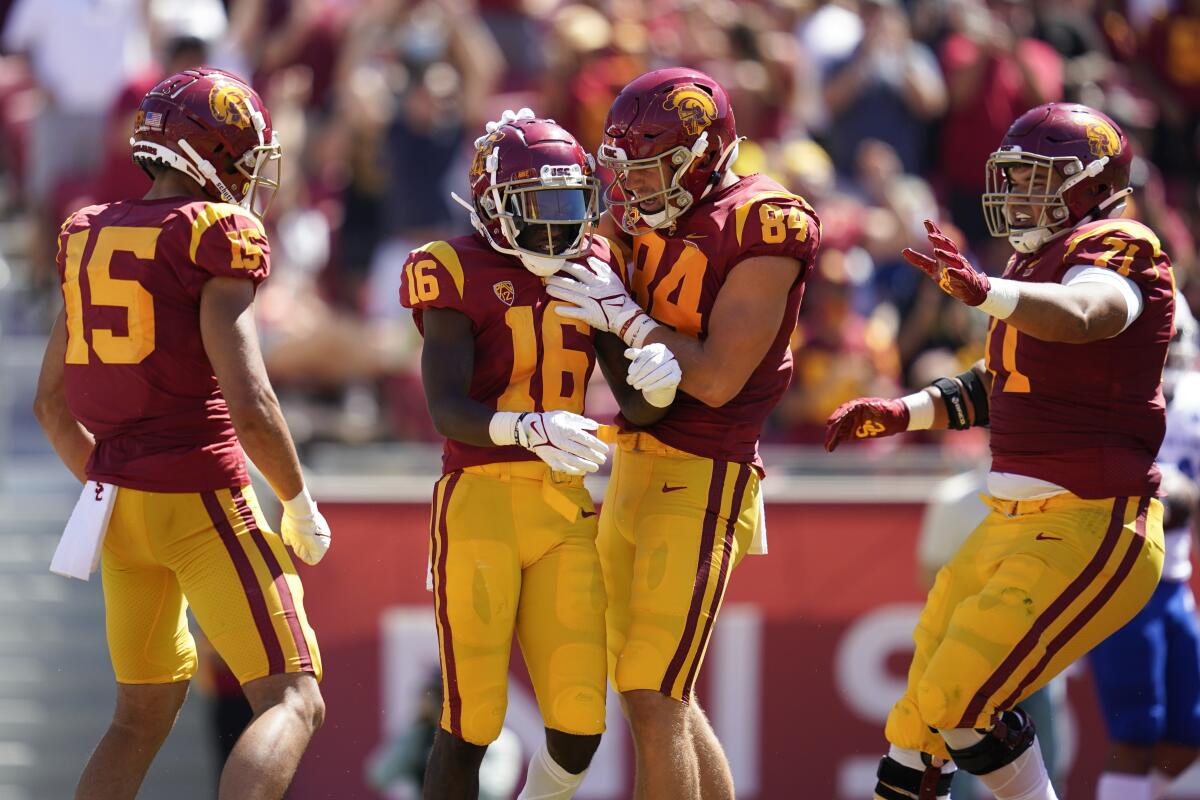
(1057, 141)
(676, 123)
(210, 125)
(534, 193)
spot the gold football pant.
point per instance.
(1035, 586)
(513, 546)
(211, 551)
(672, 529)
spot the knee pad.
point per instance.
(1011, 735)
(900, 782)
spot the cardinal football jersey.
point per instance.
(136, 372)
(676, 276)
(527, 358)
(1087, 417)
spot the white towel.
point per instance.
(78, 551)
(758, 545)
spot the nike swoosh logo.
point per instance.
(1041, 537)
(696, 236)
(586, 514)
(667, 488)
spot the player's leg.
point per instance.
(288, 710)
(153, 655)
(1181, 742)
(476, 586)
(691, 527)
(917, 756)
(246, 596)
(1129, 669)
(716, 779)
(560, 625)
(143, 718)
(1068, 573)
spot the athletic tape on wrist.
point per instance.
(1001, 300)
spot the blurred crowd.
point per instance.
(880, 112)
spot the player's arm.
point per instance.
(948, 403)
(610, 353)
(1074, 314)
(559, 438)
(70, 440)
(231, 341)
(1090, 307)
(447, 363)
(745, 320)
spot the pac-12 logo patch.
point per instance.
(505, 291)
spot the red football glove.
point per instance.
(953, 273)
(865, 418)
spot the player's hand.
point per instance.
(865, 418)
(654, 372)
(308, 536)
(599, 298)
(508, 116)
(561, 439)
(953, 273)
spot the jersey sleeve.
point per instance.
(1126, 247)
(776, 224)
(227, 241)
(433, 278)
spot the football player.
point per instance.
(716, 275)
(1148, 673)
(513, 529)
(1073, 545)
(151, 386)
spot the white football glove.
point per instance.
(508, 116)
(559, 438)
(654, 372)
(599, 298)
(304, 529)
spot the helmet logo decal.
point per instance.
(479, 163)
(695, 108)
(229, 103)
(1102, 139)
(504, 290)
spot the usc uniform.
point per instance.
(684, 503)
(1073, 546)
(186, 529)
(512, 543)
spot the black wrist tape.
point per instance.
(956, 404)
(978, 394)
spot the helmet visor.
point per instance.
(553, 221)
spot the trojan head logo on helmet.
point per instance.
(211, 126)
(229, 103)
(670, 136)
(1060, 164)
(534, 193)
(695, 108)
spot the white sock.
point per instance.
(1023, 779)
(1123, 786)
(1159, 783)
(546, 780)
(912, 759)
